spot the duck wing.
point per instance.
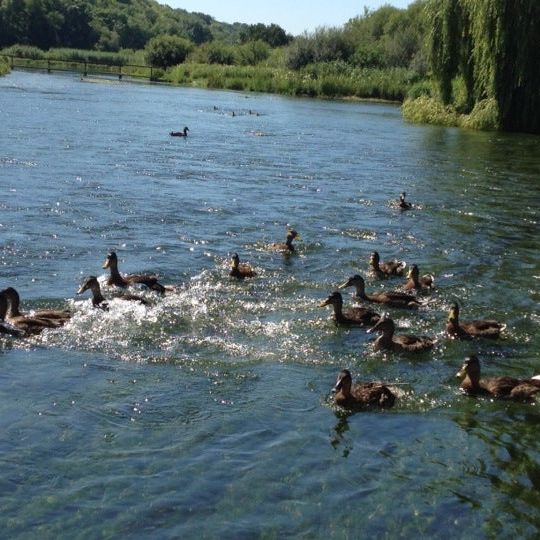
(500, 386)
(413, 343)
(150, 281)
(372, 394)
(361, 316)
(481, 328)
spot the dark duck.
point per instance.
(470, 329)
(390, 341)
(118, 280)
(287, 246)
(385, 269)
(403, 204)
(5, 327)
(356, 316)
(502, 387)
(360, 395)
(392, 299)
(415, 282)
(180, 133)
(98, 300)
(240, 270)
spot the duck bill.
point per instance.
(325, 303)
(106, 264)
(461, 373)
(81, 290)
(345, 285)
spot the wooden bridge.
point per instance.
(85, 68)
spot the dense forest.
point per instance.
(470, 63)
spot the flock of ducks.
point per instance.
(14, 322)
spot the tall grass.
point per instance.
(4, 65)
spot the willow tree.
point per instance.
(493, 45)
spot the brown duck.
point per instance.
(25, 323)
(60, 315)
(401, 342)
(356, 316)
(287, 246)
(469, 329)
(240, 271)
(392, 299)
(5, 327)
(98, 300)
(417, 282)
(117, 279)
(349, 395)
(500, 387)
(385, 269)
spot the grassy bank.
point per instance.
(324, 81)
(428, 110)
(4, 65)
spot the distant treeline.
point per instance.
(456, 62)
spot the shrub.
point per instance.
(25, 51)
(165, 51)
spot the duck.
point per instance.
(6, 328)
(98, 300)
(180, 133)
(386, 269)
(401, 342)
(392, 299)
(372, 394)
(27, 324)
(14, 300)
(503, 387)
(356, 316)
(469, 329)
(417, 282)
(287, 246)
(403, 204)
(240, 271)
(115, 278)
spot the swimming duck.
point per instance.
(403, 204)
(356, 395)
(287, 246)
(385, 269)
(356, 316)
(401, 342)
(500, 387)
(26, 323)
(469, 329)
(115, 278)
(14, 300)
(240, 271)
(180, 133)
(98, 300)
(5, 327)
(415, 282)
(393, 299)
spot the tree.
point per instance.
(166, 51)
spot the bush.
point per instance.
(25, 51)
(485, 115)
(165, 51)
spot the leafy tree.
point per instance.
(272, 34)
(166, 51)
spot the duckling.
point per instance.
(401, 342)
(5, 327)
(403, 204)
(357, 395)
(469, 329)
(240, 271)
(25, 323)
(356, 316)
(500, 387)
(115, 278)
(393, 299)
(386, 269)
(180, 133)
(61, 315)
(287, 246)
(415, 282)
(98, 300)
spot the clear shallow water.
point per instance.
(206, 414)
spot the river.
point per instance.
(207, 413)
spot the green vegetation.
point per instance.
(452, 62)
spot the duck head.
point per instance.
(354, 281)
(334, 299)
(111, 261)
(90, 282)
(385, 325)
(470, 368)
(235, 261)
(453, 313)
(343, 383)
(413, 272)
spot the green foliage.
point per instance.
(272, 34)
(165, 51)
(214, 53)
(25, 51)
(252, 53)
(4, 65)
(427, 110)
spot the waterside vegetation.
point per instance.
(450, 62)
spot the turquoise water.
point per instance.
(206, 414)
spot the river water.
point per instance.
(207, 413)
